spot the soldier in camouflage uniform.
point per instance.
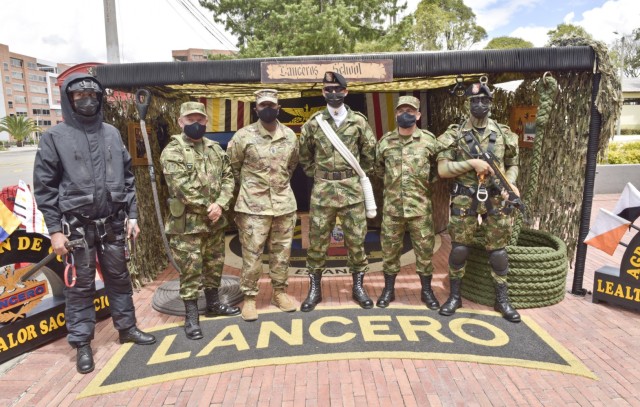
(336, 190)
(201, 185)
(474, 193)
(263, 157)
(405, 158)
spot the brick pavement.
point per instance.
(605, 338)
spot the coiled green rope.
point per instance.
(538, 262)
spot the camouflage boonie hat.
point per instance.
(188, 108)
(410, 101)
(266, 95)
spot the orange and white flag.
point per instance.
(606, 231)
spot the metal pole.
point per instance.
(587, 194)
(111, 31)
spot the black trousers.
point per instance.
(80, 314)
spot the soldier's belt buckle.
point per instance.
(66, 228)
(101, 233)
(482, 194)
(336, 175)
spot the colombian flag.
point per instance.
(606, 231)
(8, 222)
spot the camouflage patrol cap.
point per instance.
(478, 90)
(334, 77)
(188, 108)
(266, 95)
(409, 101)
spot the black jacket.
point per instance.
(82, 168)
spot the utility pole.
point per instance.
(111, 31)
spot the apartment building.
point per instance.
(27, 88)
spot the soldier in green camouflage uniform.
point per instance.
(263, 157)
(474, 193)
(201, 185)
(336, 190)
(405, 158)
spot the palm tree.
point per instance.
(19, 127)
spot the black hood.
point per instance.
(70, 116)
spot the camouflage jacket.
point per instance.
(262, 166)
(317, 153)
(407, 164)
(209, 180)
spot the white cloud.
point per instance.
(535, 34)
(493, 14)
(622, 16)
(569, 18)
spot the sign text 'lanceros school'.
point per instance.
(353, 71)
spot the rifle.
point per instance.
(500, 179)
(70, 245)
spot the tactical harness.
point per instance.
(481, 194)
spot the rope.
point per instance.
(538, 263)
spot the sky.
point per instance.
(72, 31)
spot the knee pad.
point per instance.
(499, 262)
(458, 256)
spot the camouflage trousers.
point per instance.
(354, 226)
(200, 257)
(497, 230)
(256, 230)
(420, 229)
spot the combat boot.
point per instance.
(388, 292)
(315, 292)
(358, 293)
(455, 300)
(84, 358)
(249, 311)
(215, 308)
(192, 320)
(281, 300)
(503, 306)
(426, 295)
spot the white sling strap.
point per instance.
(369, 200)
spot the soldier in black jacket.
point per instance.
(84, 187)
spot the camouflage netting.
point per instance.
(539, 259)
(148, 259)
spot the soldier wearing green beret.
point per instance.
(201, 186)
(405, 159)
(474, 194)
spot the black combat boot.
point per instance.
(84, 358)
(455, 300)
(136, 336)
(192, 320)
(426, 295)
(215, 308)
(358, 293)
(388, 292)
(315, 292)
(503, 306)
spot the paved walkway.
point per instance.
(605, 338)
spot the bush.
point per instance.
(623, 153)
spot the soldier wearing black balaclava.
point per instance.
(84, 186)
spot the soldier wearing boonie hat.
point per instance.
(403, 160)
(473, 194)
(263, 157)
(336, 191)
(201, 185)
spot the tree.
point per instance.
(445, 25)
(270, 28)
(508, 43)
(567, 30)
(19, 127)
(626, 53)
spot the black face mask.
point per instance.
(335, 99)
(479, 110)
(406, 120)
(268, 114)
(195, 130)
(86, 106)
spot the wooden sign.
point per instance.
(522, 121)
(313, 71)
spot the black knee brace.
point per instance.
(499, 261)
(458, 256)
